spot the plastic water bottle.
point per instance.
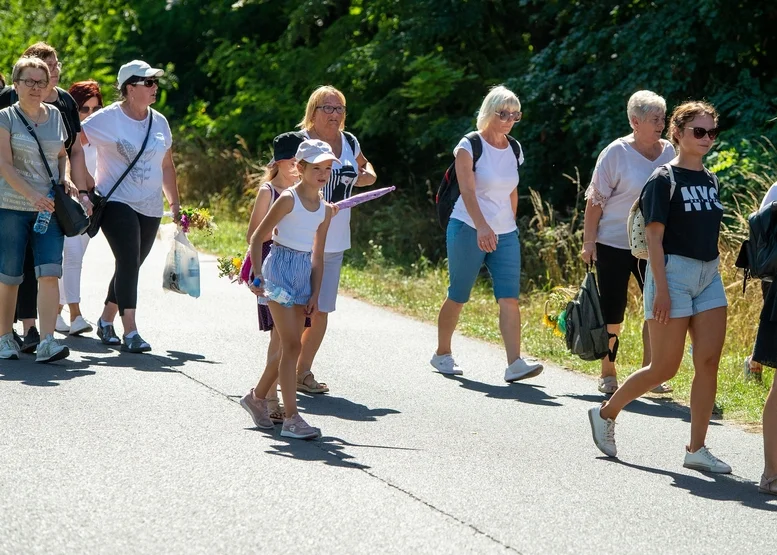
(276, 294)
(42, 222)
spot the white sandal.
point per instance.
(608, 385)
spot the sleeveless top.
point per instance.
(297, 229)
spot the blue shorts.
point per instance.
(465, 260)
(16, 226)
(286, 274)
(694, 286)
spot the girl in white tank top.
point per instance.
(290, 278)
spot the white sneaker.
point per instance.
(61, 326)
(603, 432)
(79, 326)
(521, 370)
(9, 348)
(50, 350)
(705, 461)
(445, 364)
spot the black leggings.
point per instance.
(131, 236)
(27, 297)
(614, 267)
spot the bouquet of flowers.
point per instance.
(196, 218)
(229, 267)
(557, 322)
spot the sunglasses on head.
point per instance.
(87, 109)
(150, 82)
(506, 116)
(699, 132)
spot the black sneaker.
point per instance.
(107, 334)
(18, 339)
(31, 341)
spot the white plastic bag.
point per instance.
(182, 269)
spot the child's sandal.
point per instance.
(312, 386)
(277, 412)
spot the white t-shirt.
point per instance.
(117, 139)
(619, 176)
(771, 195)
(90, 156)
(340, 186)
(496, 177)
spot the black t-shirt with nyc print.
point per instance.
(692, 216)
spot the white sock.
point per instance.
(131, 334)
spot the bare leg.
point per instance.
(289, 323)
(510, 326)
(708, 331)
(645, 344)
(110, 310)
(446, 325)
(273, 360)
(667, 345)
(48, 301)
(75, 310)
(128, 321)
(312, 338)
(8, 304)
(608, 366)
(770, 433)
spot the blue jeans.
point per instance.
(465, 260)
(16, 226)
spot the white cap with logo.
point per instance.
(137, 68)
(315, 151)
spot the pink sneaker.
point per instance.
(258, 410)
(295, 427)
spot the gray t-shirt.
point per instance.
(26, 157)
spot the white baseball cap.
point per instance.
(315, 151)
(137, 68)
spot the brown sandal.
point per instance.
(312, 386)
(277, 412)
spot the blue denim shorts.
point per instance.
(16, 226)
(694, 286)
(465, 260)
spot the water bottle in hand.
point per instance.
(42, 222)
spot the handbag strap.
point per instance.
(40, 148)
(140, 152)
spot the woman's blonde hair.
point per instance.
(685, 113)
(316, 97)
(498, 98)
(31, 62)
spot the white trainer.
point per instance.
(705, 461)
(445, 364)
(520, 369)
(50, 350)
(61, 326)
(79, 326)
(9, 348)
(603, 432)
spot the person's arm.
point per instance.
(317, 266)
(261, 206)
(466, 178)
(654, 235)
(367, 175)
(41, 203)
(170, 184)
(593, 213)
(278, 210)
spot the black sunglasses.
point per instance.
(87, 110)
(699, 132)
(145, 82)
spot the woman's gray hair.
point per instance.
(29, 62)
(643, 103)
(498, 98)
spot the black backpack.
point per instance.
(758, 255)
(448, 191)
(586, 332)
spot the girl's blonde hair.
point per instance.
(315, 100)
(268, 174)
(685, 113)
(498, 98)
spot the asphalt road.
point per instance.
(122, 453)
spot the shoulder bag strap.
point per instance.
(140, 152)
(40, 148)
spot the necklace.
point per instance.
(41, 114)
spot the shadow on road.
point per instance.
(339, 407)
(28, 372)
(521, 391)
(329, 450)
(721, 487)
(663, 408)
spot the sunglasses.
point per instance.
(87, 109)
(145, 82)
(699, 132)
(327, 109)
(505, 116)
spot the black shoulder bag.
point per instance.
(70, 214)
(99, 201)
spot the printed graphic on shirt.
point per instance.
(700, 198)
(142, 170)
(341, 183)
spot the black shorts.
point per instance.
(613, 269)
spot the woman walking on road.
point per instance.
(621, 171)
(132, 214)
(683, 289)
(482, 230)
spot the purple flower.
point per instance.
(185, 223)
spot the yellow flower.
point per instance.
(237, 263)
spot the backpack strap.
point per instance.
(517, 150)
(349, 137)
(477, 147)
(673, 185)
